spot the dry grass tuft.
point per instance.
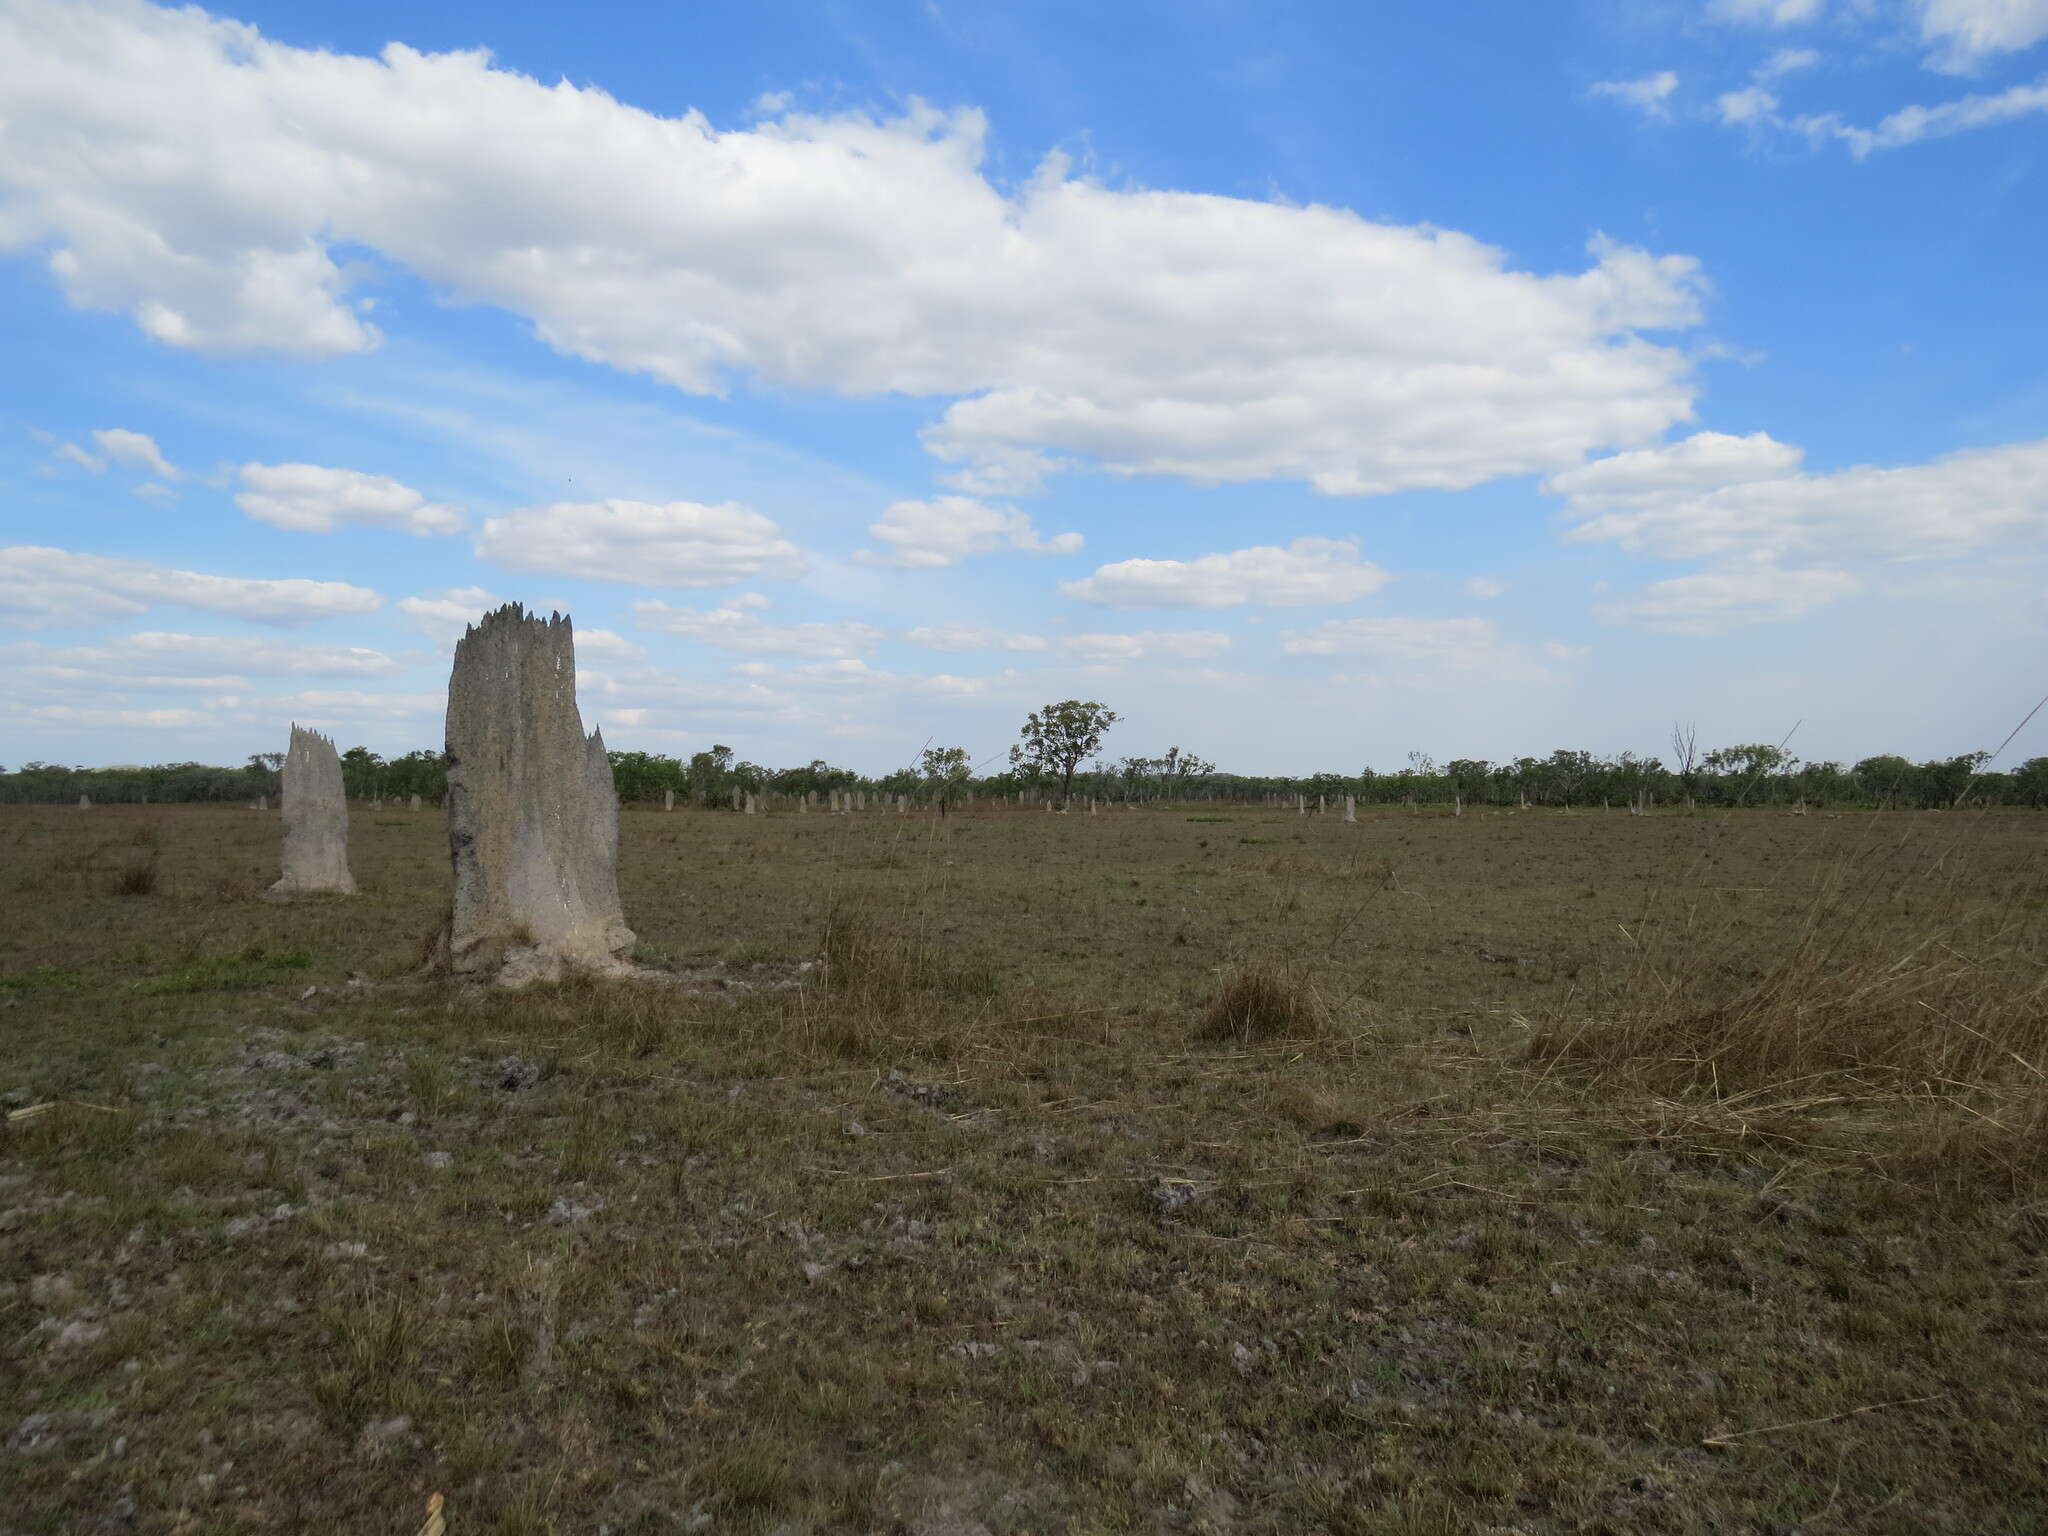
(2004, 1139)
(137, 877)
(885, 969)
(1265, 1000)
(885, 987)
(1936, 1065)
(1927, 1023)
(1321, 1112)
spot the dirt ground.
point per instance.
(977, 1228)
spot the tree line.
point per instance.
(1058, 757)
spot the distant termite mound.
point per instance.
(315, 821)
(533, 819)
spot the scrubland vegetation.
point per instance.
(1742, 776)
(1192, 1168)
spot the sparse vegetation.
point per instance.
(1928, 1021)
(252, 966)
(137, 877)
(1625, 1183)
(1266, 1001)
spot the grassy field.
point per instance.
(1160, 1171)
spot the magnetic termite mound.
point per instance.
(533, 818)
(315, 821)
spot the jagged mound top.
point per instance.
(515, 613)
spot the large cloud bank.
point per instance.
(219, 187)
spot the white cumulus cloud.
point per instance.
(1778, 535)
(1707, 602)
(1960, 34)
(1310, 572)
(744, 631)
(1702, 462)
(1456, 643)
(446, 614)
(948, 685)
(137, 449)
(672, 544)
(350, 706)
(41, 586)
(1910, 125)
(311, 498)
(125, 719)
(1651, 95)
(1715, 495)
(648, 686)
(1787, 61)
(1751, 104)
(198, 176)
(1766, 13)
(607, 645)
(181, 655)
(971, 637)
(1965, 33)
(1147, 645)
(927, 535)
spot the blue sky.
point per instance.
(1311, 383)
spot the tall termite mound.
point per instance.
(533, 819)
(315, 821)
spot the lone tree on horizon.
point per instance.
(1058, 737)
(946, 770)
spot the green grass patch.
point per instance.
(41, 978)
(238, 972)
